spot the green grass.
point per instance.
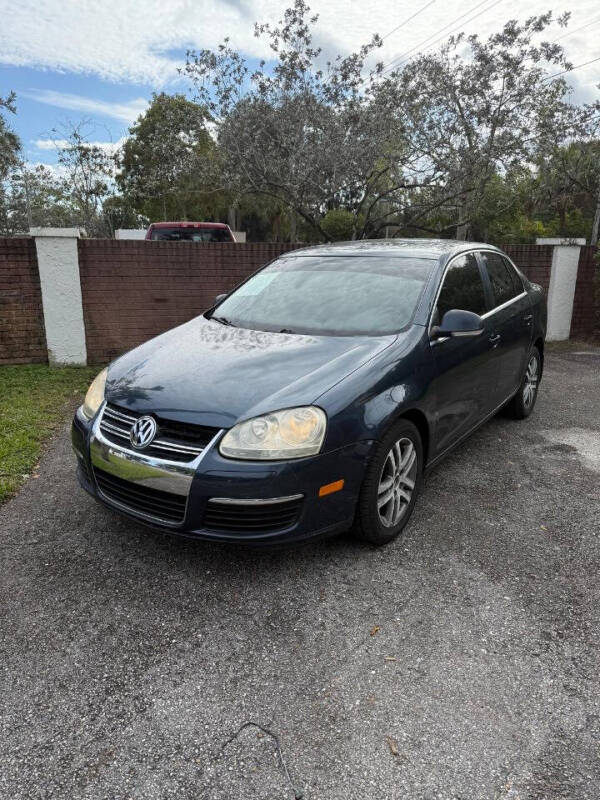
(34, 399)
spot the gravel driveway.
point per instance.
(461, 662)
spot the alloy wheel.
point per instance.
(531, 382)
(397, 482)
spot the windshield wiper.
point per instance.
(224, 321)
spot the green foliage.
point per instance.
(33, 400)
(568, 186)
(478, 140)
(165, 162)
(340, 224)
(119, 212)
(9, 141)
(34, 196)
(88, 170)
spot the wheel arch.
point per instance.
(419, 420)
(539, 343)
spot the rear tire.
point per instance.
(523, 402)
(391, 486)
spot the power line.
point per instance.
(402, 57)
(572, 69)
(569, 33)
(406, 21)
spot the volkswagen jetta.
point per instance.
(312, 398)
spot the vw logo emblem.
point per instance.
(142, 432)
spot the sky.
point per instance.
(101, 60)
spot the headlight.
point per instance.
(95, 395)
(292, 433)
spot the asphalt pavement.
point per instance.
(459, 663)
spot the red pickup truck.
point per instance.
(190, 232)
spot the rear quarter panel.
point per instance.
(539, 304)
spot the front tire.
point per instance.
(523, 402)
(391, 485)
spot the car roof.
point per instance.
(188, 225)
(404, 248)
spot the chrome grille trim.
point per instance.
(163, 444)
(154, 473)
(116, 423)
(112, 412)
(113, 429)
(260, 501)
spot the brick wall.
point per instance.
(534, 259)
(133, 290)
(22, 334)
(585, 322)
(536, 262)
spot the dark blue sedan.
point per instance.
(312, 398)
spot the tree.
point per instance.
(391, 148)
(34, 196)
(313, 139)
(119, 213)
(88, 170)
(168, 167)
(478, 109)
(569, 183)
(10, 144)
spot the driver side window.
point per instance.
(462, 288)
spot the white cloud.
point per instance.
(120, 41)
(124, 112)
(50, 144)
(144, 41)
(57, 144)
(58, 171)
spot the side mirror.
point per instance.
(220, 297)
(458, 323)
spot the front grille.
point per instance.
(155, 503)
(224, 515)
(175, 441)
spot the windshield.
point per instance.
(191, 234)
(335, 295)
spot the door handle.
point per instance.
(495, 340)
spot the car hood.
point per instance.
(208, 373)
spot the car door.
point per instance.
(464, 382)
(510, 320)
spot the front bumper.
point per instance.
(212, 476)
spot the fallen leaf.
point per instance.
(374, 630)
(393, 745)
(390, 658)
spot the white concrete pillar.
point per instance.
(58, 265)
(561, 293)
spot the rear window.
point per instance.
(503, 286)
(516, 278)
(176, 234)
